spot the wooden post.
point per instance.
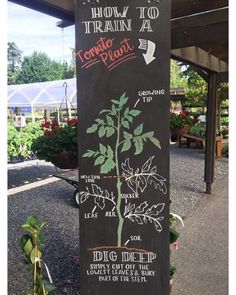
(210, 132)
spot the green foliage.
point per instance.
(198, 130)
(20, 140)
(56, 139)
(174, 235)
(117, 121)
(196, 92)
(38, 67)
(32, 245)
(179, 120)
(14, 56)
(176, 79)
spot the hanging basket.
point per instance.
(65, 160)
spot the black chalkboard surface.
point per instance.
(122, 55)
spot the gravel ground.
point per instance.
(187, 177)
(54, 203)
(29, 171)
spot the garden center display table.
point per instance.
(202, 140)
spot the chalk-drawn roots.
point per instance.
(100, 196)
(142, 214)
(138, 180)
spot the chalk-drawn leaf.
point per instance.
(142, 182)
(138, 130)
(127, 135)
(96, 190)
(141, 208)
(123, 99)
(107, 166)
(158, 181)
(126, 167)
(110, 131)
(100, 202)
(158, 226)
(147, 135)
(155, 141)
(101, 131)
(126, 145)
(113, 110)
(133, 185)
(104, 111)
(126, 111)
(155, 209)
(134, 113)
(138, 143)
(110, 120)
(110, 153)
(102, 149)
(99, 161)
(129, 208)
(83, 197)
(129, 118)
(145, 219)
(154, 169)
(125, 124)
(147, 165)
(138, 219)
(92, 129)
(88, 154)
(131, 218)
(100, 121)
(115, 101)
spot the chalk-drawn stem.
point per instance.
(118, 185)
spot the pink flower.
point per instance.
(175, 245)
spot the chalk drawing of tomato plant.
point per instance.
(118, 122)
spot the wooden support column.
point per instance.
(210, 132)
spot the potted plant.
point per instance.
(174, 243)
(198, 130)
(58, 144)
(180, 123)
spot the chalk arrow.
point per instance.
(150, 48)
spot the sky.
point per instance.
(32, 30)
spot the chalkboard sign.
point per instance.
(122, 56)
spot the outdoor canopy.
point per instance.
(43, 95)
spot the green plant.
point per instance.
(32, 245)
(225, 150)
(224, 131)
(20, 140)
(56, 139)
(115, 123)
(181, 119)
(198, 130)
(174, 236)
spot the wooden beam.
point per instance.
(200, 20)
(198, 57)
(200, 35)
(188, 7)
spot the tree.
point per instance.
(115, 123)
(196, 88)
(176, 79)
(14, 56)
(38, 67)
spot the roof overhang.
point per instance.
(199, 28)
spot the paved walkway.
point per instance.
(202, 259)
